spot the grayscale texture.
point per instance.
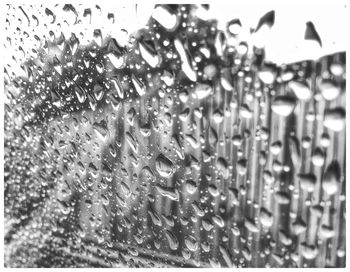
(177, 144)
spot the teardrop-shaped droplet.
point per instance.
(172, 240)
(185, 61)
(80, 93)
(191, 243)
(139, 85)
(118, 61)
(149, 53)
(164, 166)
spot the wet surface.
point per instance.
(181, 146)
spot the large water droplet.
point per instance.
(300, 89)
(283, 105)
(163, 16)
(334, 119)
(329, 90)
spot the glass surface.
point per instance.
(157, 136)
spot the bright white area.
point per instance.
(284, 42)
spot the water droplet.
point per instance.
(172, 240)
(80, 93)
(218, 116)
(191, 186)
(326, 231)
(225, 83)
(98, 92)
(222, 166)
(50, 13)
(213, 190)
(301, 89)
(283, 105)
(334, 119)
(298, 226)
(336, 69)
(331, 178)
(163, 16)
(101, 129)
(212, 136)
(131, 141)
(242, 166)
(155, 218)
(191, 243)
(234, 26)
(130, 116)
(198, 210)
(309, 251)
(267, 74)
(149, 53)
(218, 220)
(329, 90)
(97, 36)
(118, 61)
(266, 218)
(185, 61)
(276, 147)
(147, 174)
(139, 86)
(250, 225)
(203, 90)
(178, 147)
(245, 112)
(282, 198)
(145, 130)
(307, 182)
(311, 33)
(318, 157)
(207, 224)
(267, 20)
(168, 192)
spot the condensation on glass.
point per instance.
(175, 145)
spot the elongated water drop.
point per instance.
(163, 16)
(139, 85)
(331, 178)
